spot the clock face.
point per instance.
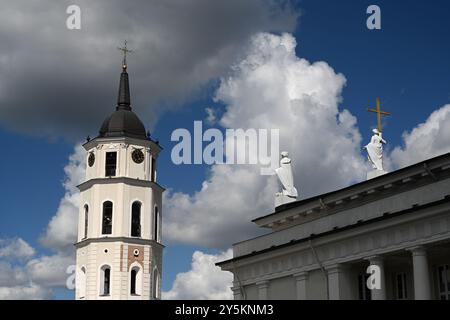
(91, 159)
(137, 156)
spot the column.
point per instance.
(377, 278)
(335, 282)
(300, 284)
(263, 287)
(422, 289)
(237, 295)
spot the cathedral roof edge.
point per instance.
(355, 192)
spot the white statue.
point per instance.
(375, 150)
(284, 172)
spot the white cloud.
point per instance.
(35, 278)
(427, 140)
(11, 276)
(61, 231)
(31, 292)
(204, 281)
(271, 88)
(15, 248)
(211, 116)
(50, 271)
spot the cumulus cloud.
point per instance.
(36, 277)
(12, 276)
(211, 116)
(31, 292)
(47, 71)
(50, 271)
(427, 140)
(15, 248)
(205, 281)
(61, 232)
(271, 88)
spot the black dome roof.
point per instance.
(123, 122)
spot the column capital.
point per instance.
(417, 250)
(262, 284)
(375, 259)
(301, 276)
(335, 268)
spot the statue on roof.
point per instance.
(375, 150)
(286, 177)
(375, 147)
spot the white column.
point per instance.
(300, 283)
(379, 292)
(237, 295)
(263, 287)
(335, 282)
(422, 290)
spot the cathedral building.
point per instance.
(393, 229)
(119, 250)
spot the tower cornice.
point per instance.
(114, 180)
(126, 140)
(128, 240)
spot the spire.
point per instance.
(123, 100)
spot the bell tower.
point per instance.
(119, 250)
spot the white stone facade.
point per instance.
(320, 248)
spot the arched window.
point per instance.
(155, 291)
(135, 281)
(86, 220)
(153, 177)
(136, 219)
(105, 280)
(107, 217)
(81, 283)
(155, 224)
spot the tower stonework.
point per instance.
(119, 250)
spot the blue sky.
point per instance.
(405, 64)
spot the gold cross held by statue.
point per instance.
(379, 113)
(125, 50)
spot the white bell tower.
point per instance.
(119, 250)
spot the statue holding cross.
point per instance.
(375, 147)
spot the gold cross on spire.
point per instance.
(125, 50)
(379, 113)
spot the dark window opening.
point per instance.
(107, 217)
(86, 220)
(363, 290)
(402, 292)
(156, 224)
(106, 281)
(111, 164)
(136, 219)
(444, 282)
(153, 178)
(133, 282)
